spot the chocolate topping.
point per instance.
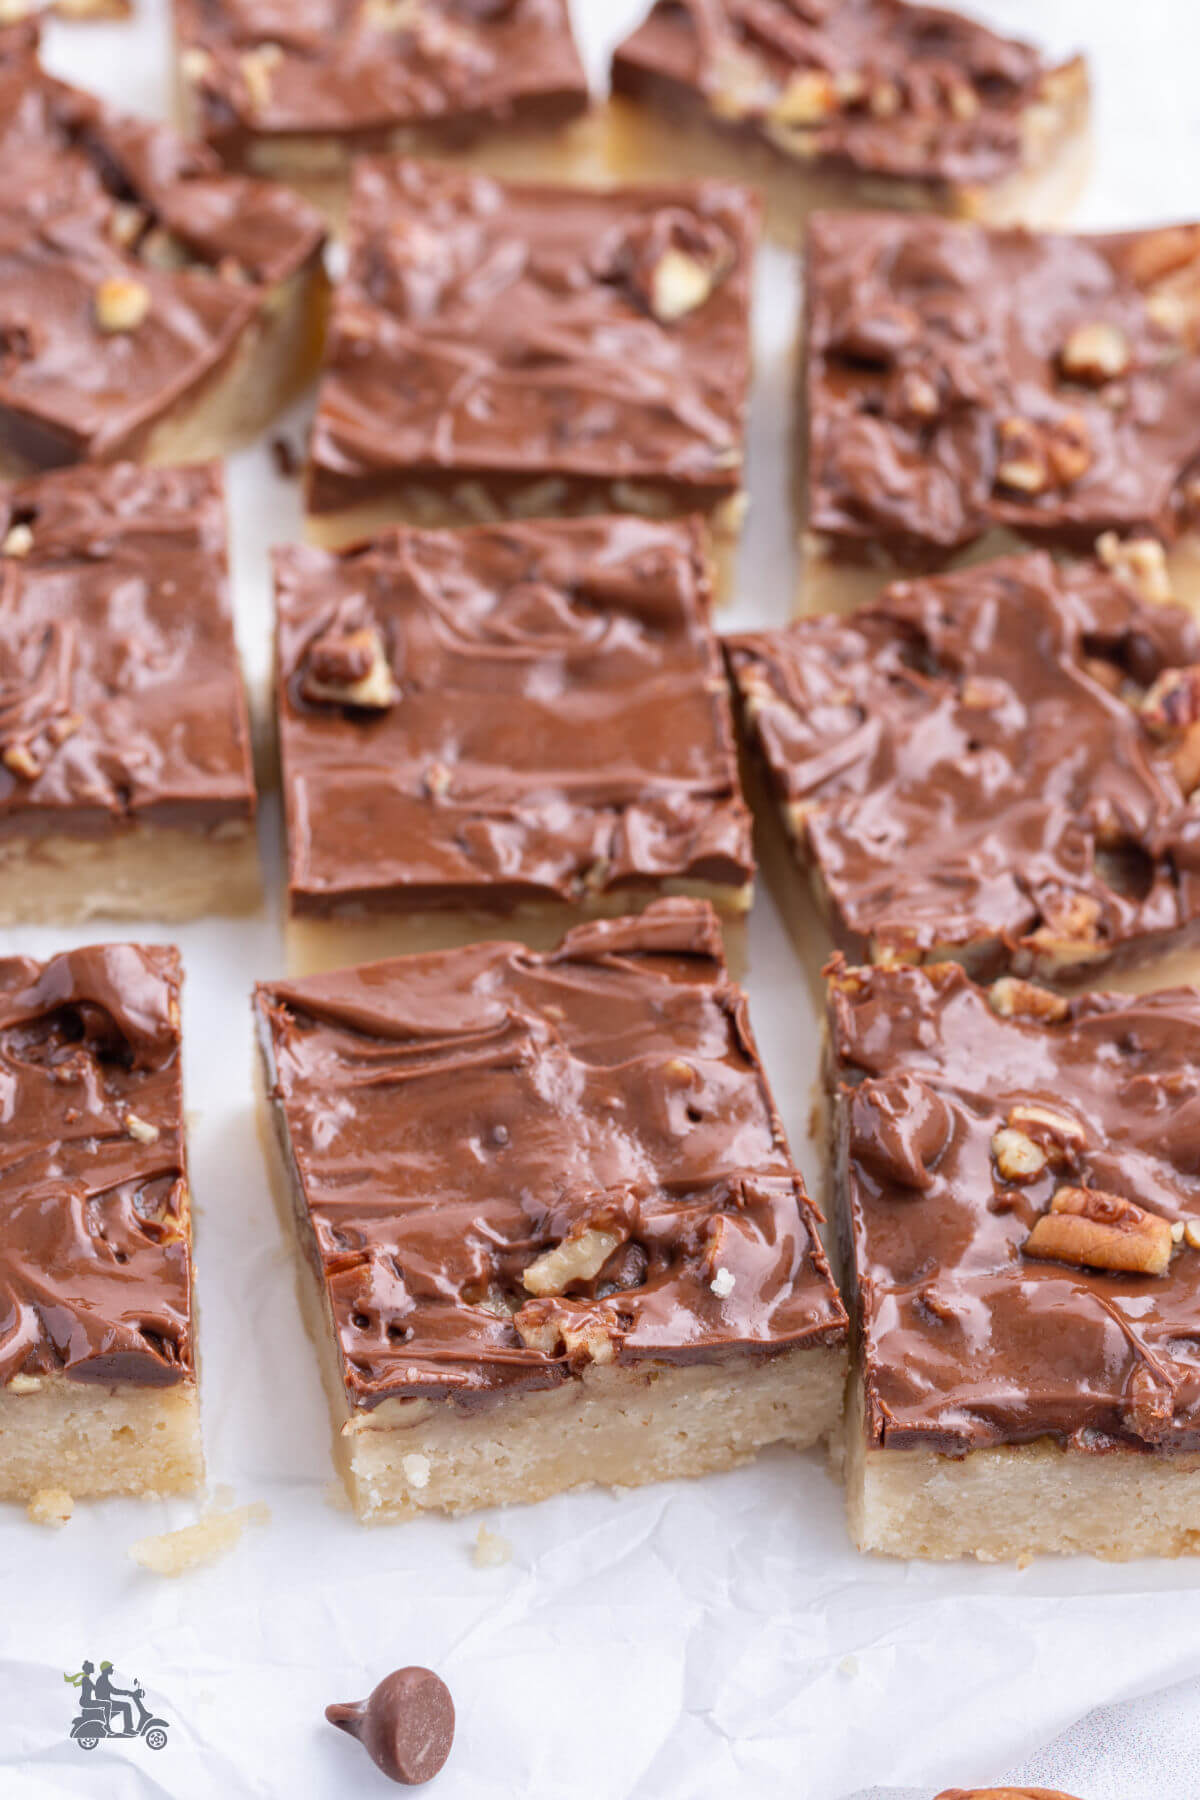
(515, 1164)
(871, 85)
(95, 1272)
(559, 724)
(406, 1726)
(120, 694)
(982, 763)
(968, 1336)
(960, 379)
(130, 267)
(361, 68)
(531, 332)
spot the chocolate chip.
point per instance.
(406, 1726)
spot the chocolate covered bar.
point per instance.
(1007, 1793)
(502, 351)
(1016, 1190)
(508, 727)
(838, 103)
(298, 94)
(151, 306)
(126, 785)
(997, 765)
(553, 1231)
(97, 1368)
(968, 388)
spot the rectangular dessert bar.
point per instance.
(97, 1368)
(1016, 1188)
(126, 785)
(998, 765)
(515, 725)
(857, 103)
(968, 388)
(298, 98)
(151, 306)
(554, 1232)
(502, 351)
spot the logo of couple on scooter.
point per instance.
(107, 1711)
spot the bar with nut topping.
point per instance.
(500, 351)
(997, 765)
(97, 1362)
(126, 779)
(552, 1226)
(851, 103)
(967, 388)
(501, 86)
(514, 726)
(1016, 1191)
(151, 306)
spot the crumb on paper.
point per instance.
(286, 458)
(212, 1536)
(849, 1665)
(491, 1551)
(50, 1506)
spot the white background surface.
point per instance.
(716, 1638)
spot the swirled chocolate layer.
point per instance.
(95, 1260)
(999, 764)
(875, 86)
(120, 694)
(131, 267)
(367, 70)
(515, 1165)
(965, 1119)
(524, 334)
(960, 379)
(550, 719)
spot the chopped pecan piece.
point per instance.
(1095, 1230)
(1017, 1157)
(579, 1257)
(349, 666)
(1012, 998)
(1096, 353)
(1170, 711)
(1140, 562)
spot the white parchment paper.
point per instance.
(713, 1638)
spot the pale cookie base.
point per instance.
(471, 503)
(1005, 1504)
(92, 1440)
(314, 946)
(143, 872)
(274, 362)
(642, 142)
(831, 586)
(613, 1426)
(320, 166)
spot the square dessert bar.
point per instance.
(520, 724)
(299, 97)
(126, 785)
(506, 351)
(555, 1233)
(1000, 765)
(151, 306)
(1016, 1178)
(1006, 1793)
(854, 103)
(97, 1368)
(966, 388)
